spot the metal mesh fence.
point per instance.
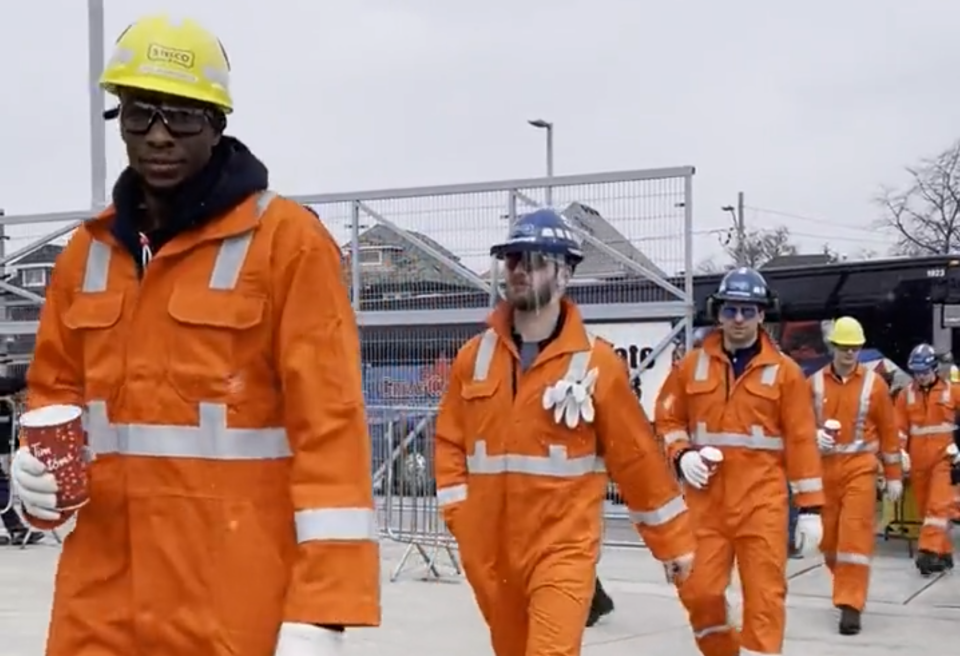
(418, 268)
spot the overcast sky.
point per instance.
(807, 107)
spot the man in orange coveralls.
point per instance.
(537, 411)
(230, 505)
(859, 400)
(738, 393)
(927, 415)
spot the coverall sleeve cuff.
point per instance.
(809, 510)
(671, 540)
(809, 500)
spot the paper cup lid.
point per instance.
(711, 453)
(831, 424)
(51, 415)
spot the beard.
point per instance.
(530, 299)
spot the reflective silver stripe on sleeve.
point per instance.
(891, 458)
(665, 513)
(817, 386)
(336, 524)
(676, 436)
(769, 374)
(702, 369)
(447, 496)
(481, 366)
(96, 272)
(806, 485)
(556, 464)
(936, 522)
(233, 250)
(211, 440)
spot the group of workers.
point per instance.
(231, 507)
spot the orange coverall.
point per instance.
(665, 398)
(763, 422)
(231, 486)
(523, 495)
(926, 419)
(862, 405)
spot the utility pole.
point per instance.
(739, 229)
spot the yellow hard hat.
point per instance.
(170, 56)
(847, 331)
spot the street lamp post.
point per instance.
(541, 124)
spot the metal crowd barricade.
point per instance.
(12, 433)
(403, 452)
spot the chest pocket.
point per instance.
(480, 413)
(214, 337)
(95, 317)
(704, 396)
(763, 395)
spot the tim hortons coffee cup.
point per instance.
(54, 434)
(712, 456)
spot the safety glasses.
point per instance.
(730, 312)
(137, 117)
(527, 261)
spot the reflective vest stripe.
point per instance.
(226, 269)
(936, 430)
(576, 369)
(756, 439)
(212, 439)
(98, 265)
(818, 385)
(556, 463)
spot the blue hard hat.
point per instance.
(922, 360)
(542, 231)
(744, 285)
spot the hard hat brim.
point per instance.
(172, 88)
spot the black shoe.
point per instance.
(849, 621)
(21, 536)
(947, 561)
(600, 605)
(929, 563)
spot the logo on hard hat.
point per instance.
(159, 53)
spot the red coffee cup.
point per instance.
(712, 456)
(54, 434)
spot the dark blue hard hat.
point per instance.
(542, 231)
(923, 359)
(744, 285)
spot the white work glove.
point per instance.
(953, 453)
(308, 640)
(893, 490)
(825, 441)
(809, 534)
(34, 486)
(694, 469)
(678, 569)
(905, 461)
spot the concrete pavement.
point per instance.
(907, 614)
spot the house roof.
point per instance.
(596, 263)
(46, 254)
(412, 265)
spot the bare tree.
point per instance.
(761, 246)
(925, 214)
